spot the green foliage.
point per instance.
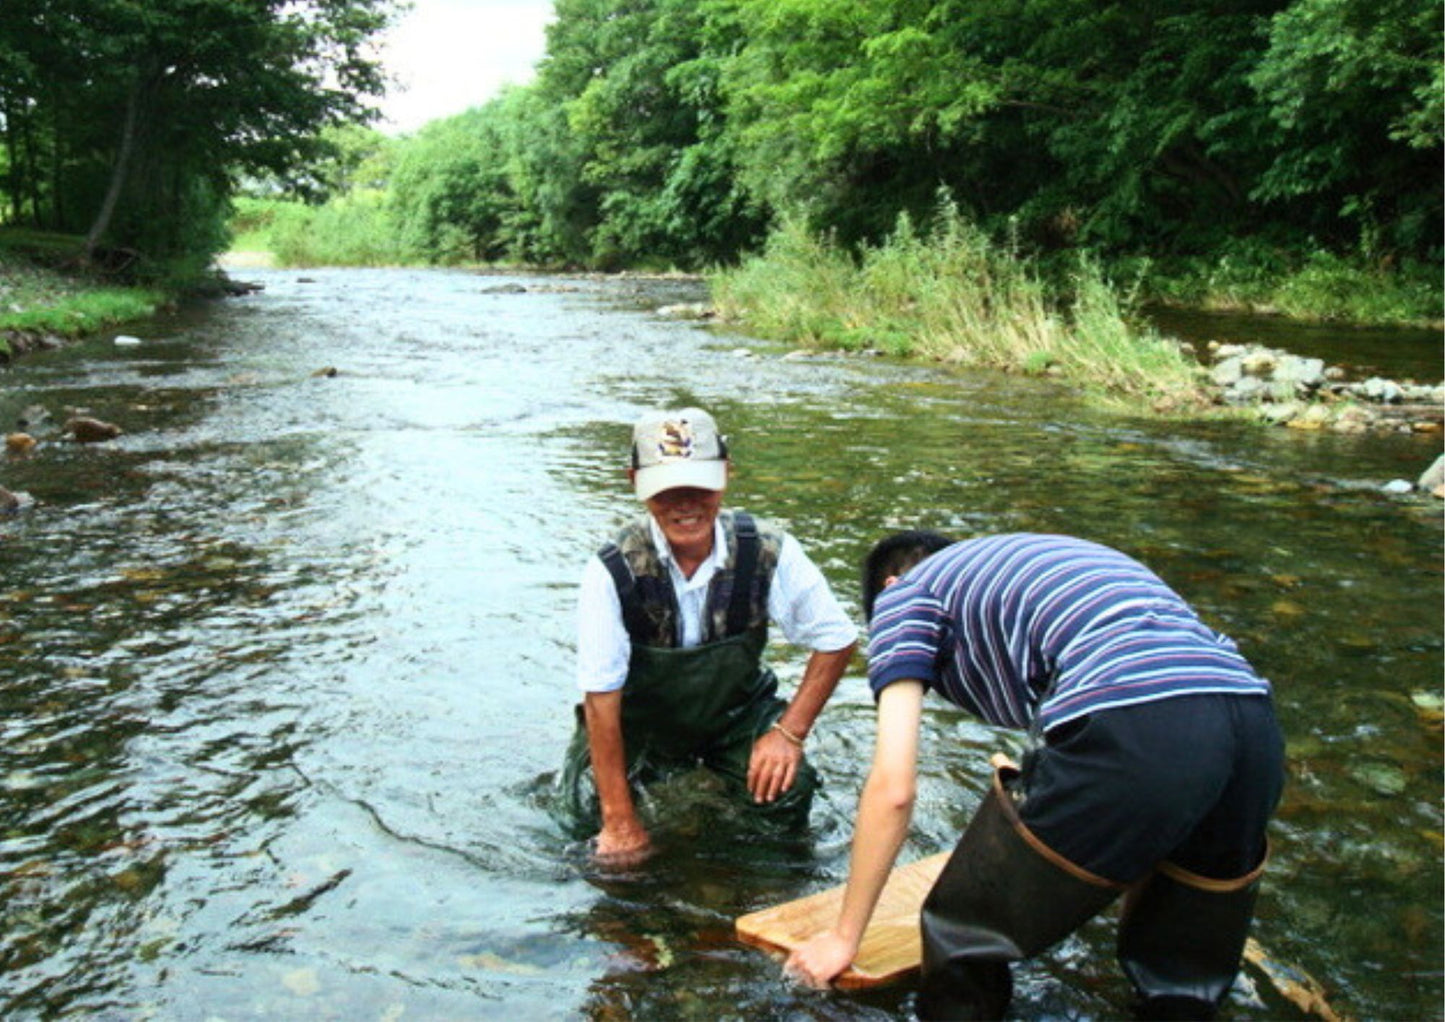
(1356, 89)
(848, 112)
(1253, 275)
(129, 122)
(647, 131)
(953, 294)
(251, 221)
(354, 231)
(1235, 144)
(450, 192)
(85, 312)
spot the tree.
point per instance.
(1357, 91)
(154, 107)
(638, 81)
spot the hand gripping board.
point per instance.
(891, 947)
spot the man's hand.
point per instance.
(622, 845)
(820, 959)
(773, 766)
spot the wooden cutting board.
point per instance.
(891, 947)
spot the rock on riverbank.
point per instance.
(1304, 393)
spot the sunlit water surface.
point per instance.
(284, 670)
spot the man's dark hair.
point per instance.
(894, 555)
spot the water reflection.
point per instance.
(285, 668)
(1398, 353)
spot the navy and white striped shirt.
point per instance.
(1024, 629)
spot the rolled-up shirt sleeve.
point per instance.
(603, 647)
(803, 606)
(908, 629)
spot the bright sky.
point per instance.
(451, 55)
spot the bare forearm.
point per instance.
(820, 679)
(609, 757)
(885, 809)
(882, 826)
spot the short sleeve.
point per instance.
(603, 647)
(803, 605)
(907, 633)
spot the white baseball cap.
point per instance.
(678, 448)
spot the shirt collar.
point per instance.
(715, 560)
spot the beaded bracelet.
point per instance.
(778, 727)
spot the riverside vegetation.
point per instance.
(955, 296)
(1275, 155)
(40, 305)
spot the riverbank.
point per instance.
(956, 296)
(951, 297)
(42, 305)
(1317, 287)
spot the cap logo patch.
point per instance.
(676, 440)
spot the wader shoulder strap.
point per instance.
(745, 566)
(633, 617)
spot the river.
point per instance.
(285, 669)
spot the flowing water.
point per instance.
(285, 669)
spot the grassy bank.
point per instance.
(1312, 287)
(38, 297)
(955, 296)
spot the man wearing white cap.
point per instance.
(673, 618)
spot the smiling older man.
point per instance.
(673, 618)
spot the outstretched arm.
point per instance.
(884, 812)
(623, 841)
(773, 765)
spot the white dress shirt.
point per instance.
(799, 602)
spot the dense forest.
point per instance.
(683, 133)
(133, 123)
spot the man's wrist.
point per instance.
(794, 738)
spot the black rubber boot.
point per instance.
(1180, 940)
(1002, 896)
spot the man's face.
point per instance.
(685, 514)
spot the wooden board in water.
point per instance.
(891, 946)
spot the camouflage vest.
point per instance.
(737, 596)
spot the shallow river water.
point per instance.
(285, 669)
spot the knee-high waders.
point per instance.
(1181, 936)
(1004, 895)
(683, 708)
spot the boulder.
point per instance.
(1385, 392)
(89, 431)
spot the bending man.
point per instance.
(1156, 766)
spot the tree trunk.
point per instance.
(32, 178)
(57, 160)
(117, 175)
(12, 167)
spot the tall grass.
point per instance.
(356, 230)
(955, 295)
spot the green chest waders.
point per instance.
(682, 708)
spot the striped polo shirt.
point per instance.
(1031, 629)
